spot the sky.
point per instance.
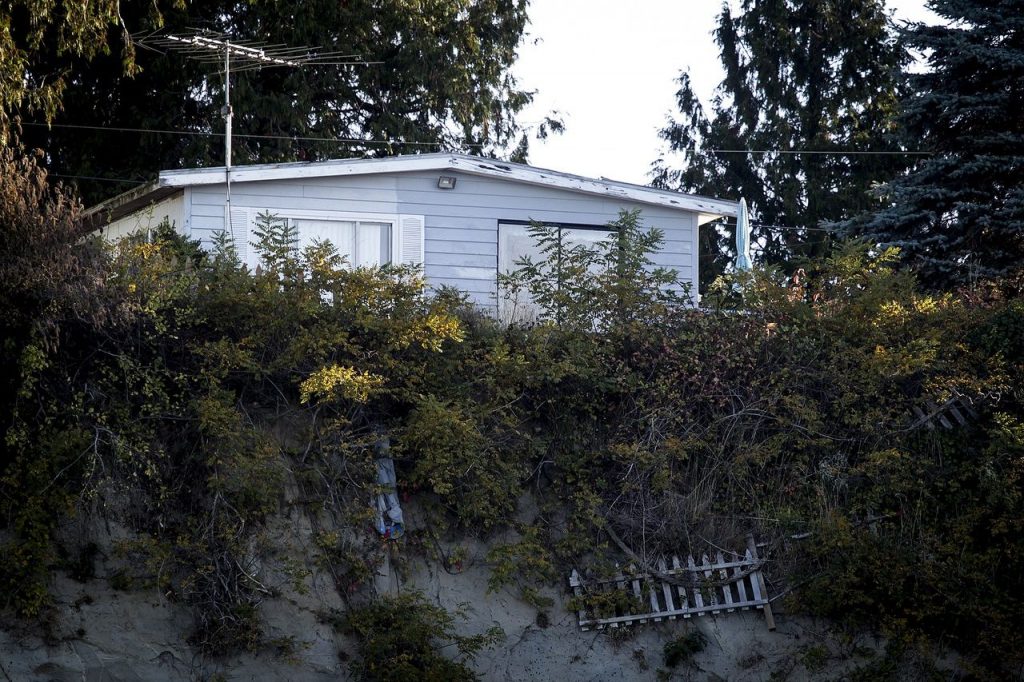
(609, 66)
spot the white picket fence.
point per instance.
(725, 585)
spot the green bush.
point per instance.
(684, 648)
(401, 638)
(175, 382)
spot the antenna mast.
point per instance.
(217, 48)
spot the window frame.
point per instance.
(523, 310)
(391, 219)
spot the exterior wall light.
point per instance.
(446, 182)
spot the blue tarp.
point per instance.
(390, 523)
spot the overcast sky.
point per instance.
(609, 67)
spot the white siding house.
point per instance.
(462, 217)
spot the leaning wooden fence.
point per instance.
(727, 584)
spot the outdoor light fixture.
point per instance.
(446, 182)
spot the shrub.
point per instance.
(401, 638)
(684, 648)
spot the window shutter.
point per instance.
(409, 244)
(242, 222)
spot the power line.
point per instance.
(372, 141)
(93, 177)
(835, 152)
(784, 227)
(198, 133)
(793, 227)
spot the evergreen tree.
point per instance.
(959, 214)
(443, 82)
(806, 82)
(69, 33)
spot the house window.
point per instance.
(364, 243)
(364, 239)
(516, 243)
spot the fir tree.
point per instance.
(442, 82)
(959, 214)
(805, 81)
(41, 43)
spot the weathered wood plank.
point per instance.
(577, 590)
(709, 579)
(758, 580)
(698, 598)
(703, 580)
(666, 590)
(723, 575)
(652, 596)
(638, 595)
(740, 587)
(726, 564)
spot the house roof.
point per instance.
(127, 202)
(173, 180)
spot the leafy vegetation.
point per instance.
(684, 648)
(169, 389)
(69, 34)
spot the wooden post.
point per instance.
(769, 618)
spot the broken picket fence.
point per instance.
(725, 585)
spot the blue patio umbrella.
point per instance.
(743, 237)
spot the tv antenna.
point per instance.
(208, 47)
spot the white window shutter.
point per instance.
(243, 220)
(410, 240)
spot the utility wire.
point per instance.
(356, 140)
(835, 152)
(93, 177)
(793, 227)
(197, 133)
(784, 227)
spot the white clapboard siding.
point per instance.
(452, 233)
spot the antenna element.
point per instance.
(217, 48)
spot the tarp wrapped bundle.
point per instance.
(390, 523)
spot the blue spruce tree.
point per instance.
(959, 214)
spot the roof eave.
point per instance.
(576, 183)
(481, 166)
(128, 202)
(314, 169)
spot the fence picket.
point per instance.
(576, 584)
(636, 590)
(709, 582)
(756, 579)
(698, 598)
(684, 597)
(666, 589)
(738, 577)
(723, 575)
